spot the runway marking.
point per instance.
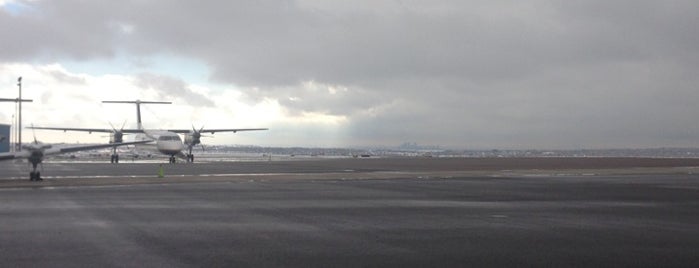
(166, 176)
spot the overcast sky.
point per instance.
(464, 74)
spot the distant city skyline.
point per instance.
(471, 74)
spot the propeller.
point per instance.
(36, 146)
(118, 135)
(194, 137)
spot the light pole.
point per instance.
(19, 123)
(17, 101)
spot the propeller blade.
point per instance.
(194, 129)
(34, 134)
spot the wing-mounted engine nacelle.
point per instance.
(192, 138)
(36, 156)
(116, 137)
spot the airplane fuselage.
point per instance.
(164, 142)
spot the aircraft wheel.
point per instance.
(35, 176)
(116, 158)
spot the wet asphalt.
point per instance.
(476, 221)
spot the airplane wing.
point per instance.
(212, 131)
(91, 147)
(90, 130)
(14, 155)
(61, 150)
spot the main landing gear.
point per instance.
(35, 175)
(190, 155)
(114, 159)
(115, 156)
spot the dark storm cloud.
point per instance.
(466, 73)
(47, 29)
(168, 88)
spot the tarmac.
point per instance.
(407, 212)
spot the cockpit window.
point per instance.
(169, 138)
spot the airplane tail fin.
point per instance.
(138, 103)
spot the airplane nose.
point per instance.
(175, 145)
(179, 145)
(170, 147)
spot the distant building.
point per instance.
(4, 138)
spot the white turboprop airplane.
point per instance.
(35, 152)
(166, 142)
